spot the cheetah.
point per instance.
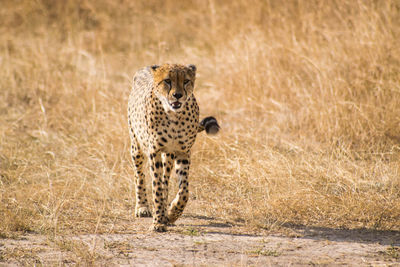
(163, 118)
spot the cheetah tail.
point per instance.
(209, 124)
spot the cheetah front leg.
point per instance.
(159, 213)
(178, 204)
(141, 207)
(167, 168)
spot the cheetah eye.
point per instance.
(186, 81)
(168, 82)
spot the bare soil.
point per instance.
(204, 241)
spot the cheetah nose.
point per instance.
(177, 95)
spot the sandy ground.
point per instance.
(203, 241)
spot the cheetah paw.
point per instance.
(142, 212)
(158, 227)
(172, 219)
(165, 221)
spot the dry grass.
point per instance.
(307, 94)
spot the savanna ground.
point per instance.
(305, 170)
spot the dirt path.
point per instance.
(201, 241)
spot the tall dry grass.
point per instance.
(306, 92)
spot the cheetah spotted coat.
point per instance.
(163, 118)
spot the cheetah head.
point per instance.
(174, 84)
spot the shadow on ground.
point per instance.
(359, 235)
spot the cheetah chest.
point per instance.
(175, 131)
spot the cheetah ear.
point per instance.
(154, 67)
(192, 67)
